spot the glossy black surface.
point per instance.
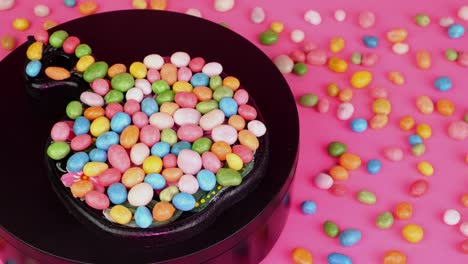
(32, 216)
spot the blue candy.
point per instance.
(359, 125)
(370, 41)
(206, 180)
(443, 83)
(33, 68)
(374, 166)
(70, 3)
(456, 31)
(415, 139)
(200, 79)
(183, 201)
(107, 139)
(228, 106)
(349, 237)
(117, 193)
(81, 126)
(156, 181)
(143, 217)
(160, 149)
(77, 161)
(337, 258)
(98, 155)
(149, 106)
(179, 146)
(120, 121)
(308, 207)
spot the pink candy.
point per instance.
(188, 183)
(109, 176)
(366, 19)
(190, 133)
(135, 94)
(186, 100)
(189, 161)
(224, 133)
(139, 153)
(243, 152)
(458, 130)
(345, 111)
(186, 116)
(212, 119)
(196, 64)
(247, 112)
(393, 153)
(211, 162)
(81, 142)
(323, 181)
(170, 161)
(60, 131)
(149, 135)
(369, 59)
(297, 55)
(97, 200)
(112, 109)
(317, 57)
(70, 44)
(91, 99)
(152, 76)
(42, 36)
(131, 107)
(144, 85)
(309, 46)
(323, 105)
(241, 96)
(140, 119)
(463, 59)
(118, 158)
(100, 86)
(378, 92)
(184, 74)
(161, 120)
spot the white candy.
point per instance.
(340, 15)
(464, 228)
(41, 10)
(452, 217)
(258, 15)
(187, 116)
(345, 111)
(212, 69)
(463, 13)
(223, 5)
(91, 99)
(180, 59)
(400, 48)
(212, 119)
(193, 12)
(134, 94)
(257, 128)
(446, 21)
(297, 35)
(153, 61)
(140, 194)
(161, 120)
(144, 85)
(139, 153)
(284, 63)
(323, 181)
(224, 133)
(188, 183)
(313, 17)
(6, 4)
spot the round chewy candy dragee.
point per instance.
(174, 127)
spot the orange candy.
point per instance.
(169, 108)
(301, 256)
(445, 107)
(169, 73)
(407, 123)
(339, 173)
(116, 69)
(237, 121)
(464, 199)
(350, 161)
(423, 59)
(172, 174)
(163, 211)
(333, 89)
(424, 104)
(133, 176)
(87, 8)
(378, 121)
(397, 35)
(396, 78)
(48, 24)
(221, 149)
(158, 4)
(394, 257)
(80, 188)
(231, 82)
(403, 211)
(203, 93)
(94, 112)
(129, 136)
(57, 73)
(345, 95)
(248, 139)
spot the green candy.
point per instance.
(384, 220)
(228, 177)
(83, 50)
(221, 92)
(114, 96)
(215, 82)
(300, 68)
(268, 37)
(207, 106)
(336, 149)
(418, 149)
(331, 229)
(57, 38)
(202, 145)
(166, 96)
(97, 70)
(123, 82)
(356, 58)
(160, 86)
(169, 136)
(168, 193)
(366, 197)
(74, 109)
(58, 150)
(308, 100)
(451, 54)
(422, 20)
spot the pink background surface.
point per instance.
(450, 180)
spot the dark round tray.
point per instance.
(33, 218)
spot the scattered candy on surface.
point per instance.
(301, 256)
(413, 233)
(223, 5)
(308, 207)
(313, 17)
(452, 217)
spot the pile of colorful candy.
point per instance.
(148, 144)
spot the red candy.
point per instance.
(81, 142)
(112, 109)
(97, 200)
(297, 56)
(243, 152)
(42, 36)
(170, 161)
(247, 112)
(464, 246)
(189, 133)
(186, 100)
(196, 64)
(419, 188)
(131, 107)
(70, 44)
(338, 190)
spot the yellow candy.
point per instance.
(424, 131)
(84, 62)
(152, 164)
(34, 51)
(248, 139)
(361, 79)
(121, 214)
(21, 24)
(231, 82)
(158, 4)
(132, 177)
(94, 168)
(182, 86)
(169, 108)
(277, 27)
(99, 126)
(138, 70)
(337, 65)
(413, 233)
(139, 4)
(382, 106)
(234, 161)
(337, 44)
(425, 168)
(333, 89)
